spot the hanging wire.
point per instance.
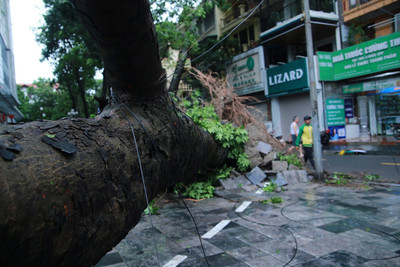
(141, 171)
(197, 230)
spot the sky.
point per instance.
(26, 15)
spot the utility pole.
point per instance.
(313, 94)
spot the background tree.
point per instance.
(70, 190)
(177, 27)
(44, 100)
(68, 44)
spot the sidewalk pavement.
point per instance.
(316, 225)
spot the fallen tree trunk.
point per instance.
(72, 189)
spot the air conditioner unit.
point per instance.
(397, 22)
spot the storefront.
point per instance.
(368, 75)
(288, 89)
(383, 97)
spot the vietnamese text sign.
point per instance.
(335, 114)
(369, 57)
(244, 74)
(289, 78)
(371, 85)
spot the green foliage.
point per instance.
(371, 176)
(358, 33)
(151, 209)
(225, 134)
(199, 190)
(221, 173)
(291, 159)
(68, 45)
(339, 178)
(43, 101)
(270, 187)
(273, 200)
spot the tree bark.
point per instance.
(70, 190)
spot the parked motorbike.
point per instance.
(325, 137)
(396, 130)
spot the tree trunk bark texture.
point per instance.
(70, 190)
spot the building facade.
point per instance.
(356, 101)
(8, 90)
(363, 78)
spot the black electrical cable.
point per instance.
(281, 227)
(197, 230)
(161, 80)
(270, 225)
(332, 217)
(120, 103)
(142, 176)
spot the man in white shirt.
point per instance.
(294, 130)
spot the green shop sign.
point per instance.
(371, 86)
(369, 57)
(335, 114)
(288, 79)
(244, 73)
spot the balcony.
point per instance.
(238, 10)
(275, 14)
(368, 9)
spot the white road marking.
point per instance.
(216, 229)
(244, 205)
(175, 261)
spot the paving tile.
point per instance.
(369, 251)
(226, 242)
(111, 259)
(267, 261)
(318, 248)
(277, 249)
(318, 263)
(222, 259)
(329, 226)
(342, 225)
(253, 238)
(197, 251)
(360, 235)
(247, 253)
(344, 258)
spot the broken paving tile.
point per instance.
(264, 148)
(279, 166)
(256, 175)
(280, 180)
(235, 182)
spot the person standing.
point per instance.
(294, 129)
(306, 136)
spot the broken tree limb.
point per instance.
(72, 189)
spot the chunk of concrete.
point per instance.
(267, 159)
(279, 166)
(296, 176)
(256, 175)
(293, 167)
(280, 180)
(264, 148)
(234, 182)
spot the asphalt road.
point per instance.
(386, 166)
